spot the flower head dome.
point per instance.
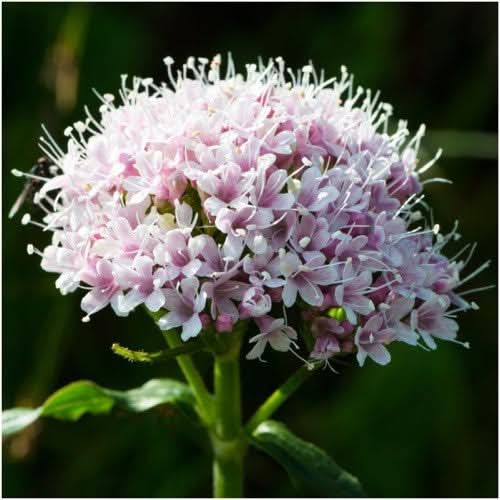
(220, 198)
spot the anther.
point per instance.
(305, 241)
(79, 126)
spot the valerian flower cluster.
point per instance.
(220, 199)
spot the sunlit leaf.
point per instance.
(17, 419)
(78, 398)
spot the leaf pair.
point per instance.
(78, 398)
(311, 470)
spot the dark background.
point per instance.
(426, 425)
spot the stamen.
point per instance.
(481, 268)
(474, 290)
(429, 164)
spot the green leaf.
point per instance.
(78, 398)
(153, 393)
(309, 467)
(18, 418)
(73, 400)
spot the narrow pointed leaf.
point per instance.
(78, 398)
(311, 470)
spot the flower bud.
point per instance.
(224, 323)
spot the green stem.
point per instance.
(228, 471)
(227, 437)
(227, 397)
(279, 396)
(202, 396)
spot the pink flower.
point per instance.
(274, 332)
(350, 294)
(254, 303)
(371, 339)
(144, 284)
(227, 187)
(310, 234)
(185, 305)
(105, 289)
(430, 321)
(304, 278)
(315, 192)
(269, 184)
(179, 254)
(329, 335)
(394, 313)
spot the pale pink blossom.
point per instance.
(259, 197)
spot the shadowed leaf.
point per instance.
(309, 467)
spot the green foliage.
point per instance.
(309, 467)
(78, 398)
(17, 419)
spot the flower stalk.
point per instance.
(228, 440)
(203, 398)
(279, 396)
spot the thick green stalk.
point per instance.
(279, 396)
(227, 397)
(202, 396)
(227, 436)
(228, 478)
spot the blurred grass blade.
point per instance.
(463, 144)
(311, 470)
(78, 398)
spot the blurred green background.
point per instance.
(426, 425)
